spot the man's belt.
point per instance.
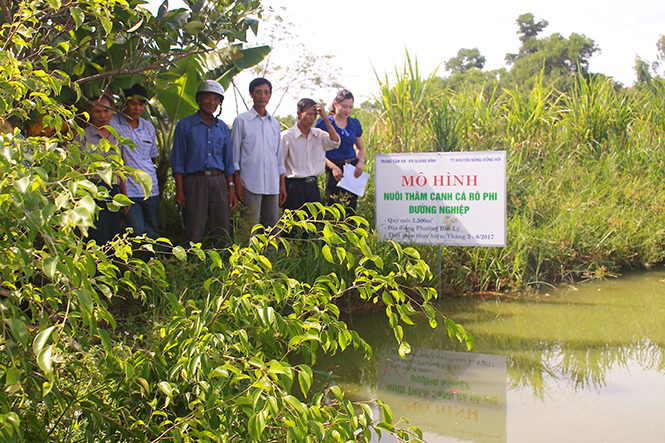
(210, 173)
(310, 179)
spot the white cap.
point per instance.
(211, 86)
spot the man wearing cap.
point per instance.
(258, 157)
(143, 215)
(304, 154)
(202, 165)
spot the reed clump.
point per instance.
(585, 173)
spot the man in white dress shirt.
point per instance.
(258, 158)
(304, 154)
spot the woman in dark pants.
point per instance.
(350, 132)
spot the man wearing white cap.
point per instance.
(202, 165)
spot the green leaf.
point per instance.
(44, 359)
(136, 26)
(337, 392)
(22, 184)
(257, 423)
(252, 56)
(305, 379)
(79, 68)
(85, 300)
(216, 259)
(121, 200)
(107, 24)
(276, 368)
(144, 180)
(19, 331)
(166, 388)
(404, 348)
(178, 93)
(343, 338)
(39, 341)
(296, 340)
(87, 203)
(364, 248)
(404, 315)
(469, 341)
(106, 174)
(180, 253)
(386, 413)
(49, 266)
(78, 16)
(327, 254)
(106, 341)
(319, 429)
(13, 376)
(412, 252)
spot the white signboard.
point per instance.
(442, 198)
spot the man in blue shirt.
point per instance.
(202, 165)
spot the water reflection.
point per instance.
(580, 364)
(456, 394)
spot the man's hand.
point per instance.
(337, 172)
(179, 197)
(233, 200)
(179, 193)
(240, 192)
(282, 189)
(282, 195)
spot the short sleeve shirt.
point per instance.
(304, 155)
(347, 137)
(140, 157)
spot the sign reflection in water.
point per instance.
(454, 394)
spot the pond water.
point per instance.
(582, 363)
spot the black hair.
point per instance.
(135, 90)
(258, 82)
(305, 103)
(106, 96)
(342, 95)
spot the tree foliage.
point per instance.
(648, 72)
(559, 58)
(233, 363)
(465, 60)
(97, 46)
(301, 70)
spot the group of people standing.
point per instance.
(143, 215)
(215, 168)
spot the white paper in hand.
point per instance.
(351, 183)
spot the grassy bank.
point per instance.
(585, 168)
(584, 171)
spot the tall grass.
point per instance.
(585, 172)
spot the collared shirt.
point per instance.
(305, 156)
(140, 157)
(257, 152)
(93, 137)
(199, 147)
(347, 136)
(92, 140)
